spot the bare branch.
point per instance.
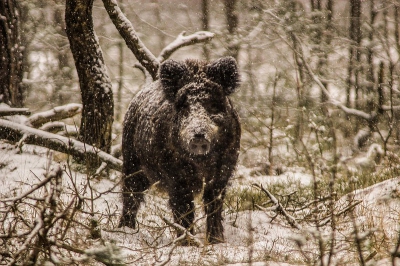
(279, 208)
(181, 230)
(147, 77)
(13, 131)
(33, 189)
(128, 33)
(55, 114)
(349, 111)
(6, 111)
(182, 41)
(60, 128)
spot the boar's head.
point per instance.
(198, 91)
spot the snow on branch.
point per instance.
(60, 128)
(183, 40)
(128, 33)
(13, 131)
(6, 111)
(55, 114)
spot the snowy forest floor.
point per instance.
(366, 221)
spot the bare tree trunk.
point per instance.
(322, 38)
(11, 55)
(396, 27)
(232, 24)
(205, 21)
(118, 114)
(118, 107)
(64, 61)
(95, 84)
(354, 50)
(301, 98)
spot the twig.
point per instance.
(279, 208)
(30, 237)
(181, 230)
(324, 222)
(33, 189)
(175, 244)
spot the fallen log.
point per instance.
(15, 132)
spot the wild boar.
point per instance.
(183, 132)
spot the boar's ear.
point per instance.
(172, 76)
(224, 71)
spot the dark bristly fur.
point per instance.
(182, 131)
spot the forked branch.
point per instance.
(128, 33)
(278, 207)
(142, 54)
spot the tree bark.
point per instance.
(232, 24)
(11, 55)
(95, 84)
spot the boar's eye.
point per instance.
(214, 107)
(181, 103)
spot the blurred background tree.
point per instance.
(11, 54)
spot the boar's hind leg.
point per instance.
(133, 187)
(213, 200)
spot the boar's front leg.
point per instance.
(213, 197)
(181, 202)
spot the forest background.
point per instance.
(319, 96)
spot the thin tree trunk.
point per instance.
(11, 55)
(232, 24)
(159, 23)
(118, 114)
(298, 129)
(95, 84)
(65, 68)
(370, 59)
(322, 38)
(354, 50)
(396, 27)
(205, 21)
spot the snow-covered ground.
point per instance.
(252, 237)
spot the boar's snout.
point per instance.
(199, 145)
(198, 134)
